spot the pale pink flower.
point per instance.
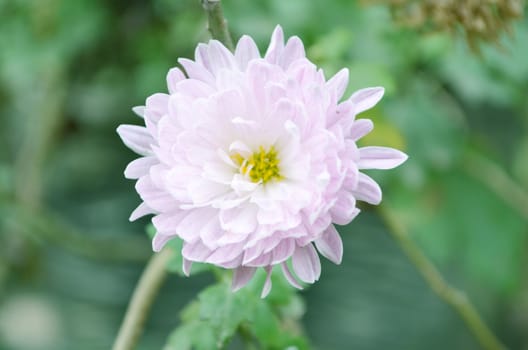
(251, 161)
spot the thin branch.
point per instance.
(47, 227)
(217, 24)
(497, 180)
(142, 299)
(452, 296)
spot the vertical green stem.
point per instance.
(452, 296)
(142, 299)
(217, 24)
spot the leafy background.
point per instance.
(69, 259)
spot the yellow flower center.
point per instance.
(263, 166)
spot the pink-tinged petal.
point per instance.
(330, 245)
(140, 167)
(202, 191)
(293, 50)
(366, 98)
(136, 138)
(154, 197)
(241, 276)
(306, 263)
(201, 56)
(225, 254)
(368, 190)
(193, 221)
(165, 223)
(196, 71)
(241, 219)
(241, 184)
(267, 284)
(140, 211)
(139, 110)
(186, 267)
(344, 210)
(174, 76)
(351, 178)
(270, 216)
(276, 46)
(338, 83)
(380, 158)
(360, 128)
(246, 50)
(261, 260)
(241, 148)
(232, 264)
(283, 251)
(289, 276)
(156, 106)
(159, 241)
(220, 57)
(194, 88)
(226, 238)
(196, 251)
(253, 252)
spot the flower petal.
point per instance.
(154, 197)
(196, 71)
(289, 276)
(241, 276)
(225, 254)
(330, 245)
(365, 99)
(140, 167)
(186, 267)
(276, 46)
(360, 128)
(368, 190)
(293, 50)
(344, 210)
(283, 251)
(246, 50)
(140, 211)
(338, 83)
(242, 219)
(174, 76)
(137, 138)
(220, 57)
(267, 284)
(306, 263)
(196, 251)
(159, 241)
(380, 158)
(139, 110)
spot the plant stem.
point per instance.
(142, 299)
(46, 227)
(217, 24)
(497, 180)
(452, 296)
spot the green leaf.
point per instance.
(196, 335)
(225, 310)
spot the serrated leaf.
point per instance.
(197, 335)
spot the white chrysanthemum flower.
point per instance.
(250, 160)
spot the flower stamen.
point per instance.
(261, 166)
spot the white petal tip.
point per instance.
(139, 110)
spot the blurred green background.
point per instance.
(70, 71)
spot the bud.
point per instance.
(479, 20)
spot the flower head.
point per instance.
(251, 160)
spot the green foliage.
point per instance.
(219, 317)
